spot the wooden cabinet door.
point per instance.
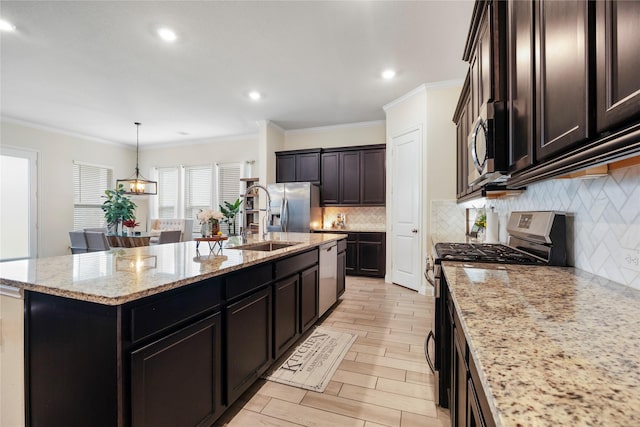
(520, 91)
(248, 341)
(329, 190)
(285, 168)
(371, 254)
(485, 61)
(372, 177)
(342, 271)
(462, 132)
(176, 381)
(350, 178)
(309, 282)
(308, 167)
(459, 382)
(285, 314)
(562, 75)
(351, 262)
(618, 63)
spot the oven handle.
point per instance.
(430, 337)
(429, 275)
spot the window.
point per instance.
(228, 189)
(198, 191)
(89, 184)
(168, 192)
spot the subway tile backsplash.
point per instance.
(603, 219)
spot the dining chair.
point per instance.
(97, 241)
(172, 236)
(78, 242)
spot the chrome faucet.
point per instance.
(243, 233)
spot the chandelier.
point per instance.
(137, 184)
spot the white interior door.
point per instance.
(406, 209)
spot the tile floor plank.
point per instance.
(388, 400)
(307, 416)
(348, 407)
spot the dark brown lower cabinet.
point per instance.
(177, 380)
(309, 287)
(248, 343)
(371, 254)
(467, 402)
(285, 314)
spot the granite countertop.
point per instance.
(122, 275)
(554, 345)
(354, 229)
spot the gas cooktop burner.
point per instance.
(483, 252)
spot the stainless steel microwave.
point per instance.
(486, 146)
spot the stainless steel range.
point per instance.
(535, 238)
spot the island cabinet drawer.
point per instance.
(245, 281)
(162, 312)
(295, 264)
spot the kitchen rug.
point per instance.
(312, 364)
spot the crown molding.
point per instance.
(59, 131)
(319, 129)
(202, 141)
(423, 88)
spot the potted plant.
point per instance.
(117, 208)
(230, 212)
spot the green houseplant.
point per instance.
(230, 212)
(117, 208)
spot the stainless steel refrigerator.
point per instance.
(295, 207)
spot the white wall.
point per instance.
(56, 153)
(367, 133)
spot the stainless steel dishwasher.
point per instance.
(328, 276)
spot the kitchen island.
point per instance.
(545, 346)
(162, 335)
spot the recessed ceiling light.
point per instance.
(6, 26)
(388, 74)
(167, 34)
(255, 95)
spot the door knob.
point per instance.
(415, 230)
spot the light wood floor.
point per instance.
(383, 380)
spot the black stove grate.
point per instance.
(483, 252)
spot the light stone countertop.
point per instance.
(355, 229)
(555, 346)
(122, 275)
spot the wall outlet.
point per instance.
(630, 258)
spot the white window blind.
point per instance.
(168, 191)
(228, 189)
(198, 191)
(89, 185)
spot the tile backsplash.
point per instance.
(603, 219)
(373, 217)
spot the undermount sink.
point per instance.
(266, 246)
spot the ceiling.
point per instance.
(93, 68)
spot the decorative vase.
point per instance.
(215, 227)
(205, 229)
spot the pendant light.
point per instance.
(137, 184)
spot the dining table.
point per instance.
(129, 241)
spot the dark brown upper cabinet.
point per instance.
(520, 57)
(618, 63)
(562, 75)
(461, 119)
(353, 176)
(298, 166)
